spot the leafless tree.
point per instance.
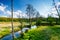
(30, 12)
(12, 19)
(37, 15)
(56, 8)
(20, 20)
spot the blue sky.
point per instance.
(43, 6)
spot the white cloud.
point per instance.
(53, 10)
(3, 16)
(19, 13)
(7, 13)
(16, 14)
(2, 8)
(58, 4)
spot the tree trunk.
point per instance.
(12, 19)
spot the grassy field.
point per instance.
(43, 33)
(40, 33)
(5, 31)
(5, 28)
(8, 24)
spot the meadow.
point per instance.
(5, 28)
(43, 33)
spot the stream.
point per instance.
(17, 34)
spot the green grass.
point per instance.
(6, 30)
(43, 33)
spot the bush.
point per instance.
(38, 22)
(44, 34)
(28, 26)
(50, 20)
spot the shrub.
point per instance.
(38, 22)
(44, 34)
(50, 20)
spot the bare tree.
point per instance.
(20, 20)
(30, 12)
(56, 8)
(37, 15)
(50, 19)
(12, 19)
(20, 17)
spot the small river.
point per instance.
(16, 34)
